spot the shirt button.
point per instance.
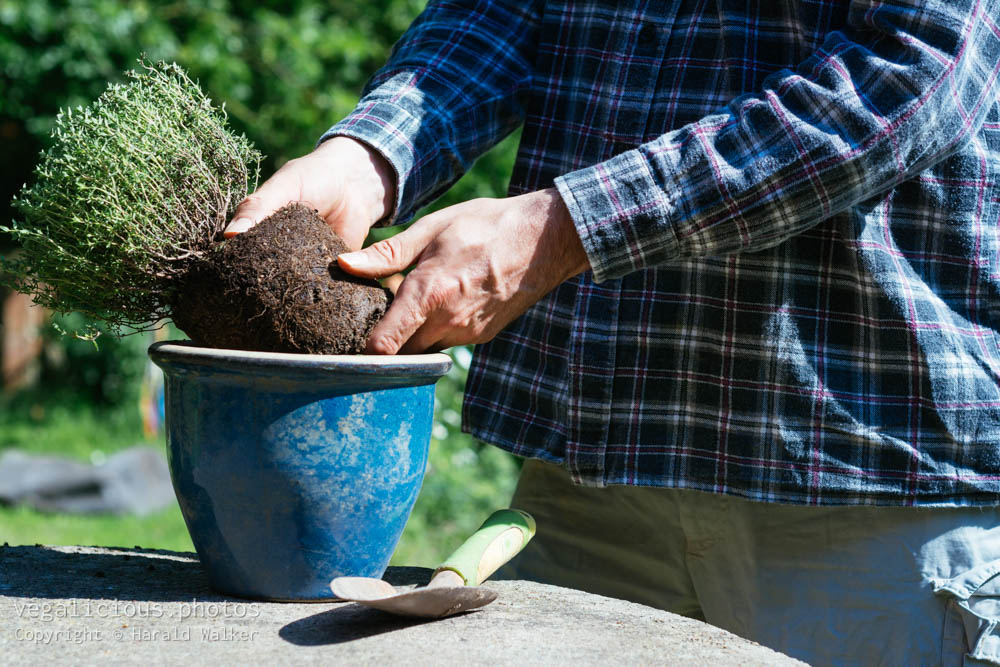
(647, 34)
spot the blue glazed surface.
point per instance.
(291, 470)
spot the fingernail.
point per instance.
(356, 261)
(237, 226)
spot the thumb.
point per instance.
(386, 257)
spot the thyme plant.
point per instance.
(133, 189)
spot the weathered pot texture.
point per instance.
(293, 469)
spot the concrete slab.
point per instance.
(89, 605)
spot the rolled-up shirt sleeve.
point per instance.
(452, 88)
(899, 89)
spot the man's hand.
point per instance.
(350, 185)
(479, 265)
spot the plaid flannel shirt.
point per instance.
(790, 209)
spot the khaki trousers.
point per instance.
(827, 585)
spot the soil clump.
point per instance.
(278, 288)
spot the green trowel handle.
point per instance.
(500, 538)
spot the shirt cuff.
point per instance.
(385, 128)
(622, 214)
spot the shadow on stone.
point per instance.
(120, 573)
(408, 577)
(103, 574)
(345, 624)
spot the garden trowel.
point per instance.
(455, 586)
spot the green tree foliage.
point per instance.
(285, 70)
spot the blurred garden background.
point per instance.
(285, 71)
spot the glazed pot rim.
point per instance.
(168, 354)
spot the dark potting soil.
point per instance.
(278, 288)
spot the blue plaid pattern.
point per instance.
(791, 210)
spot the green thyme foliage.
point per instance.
(133, 188)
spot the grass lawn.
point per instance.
(163, 530)
(66, 425)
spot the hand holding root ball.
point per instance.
(477, 265)
(349, 185)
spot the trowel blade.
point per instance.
(428, 602)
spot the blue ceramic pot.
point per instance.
(294, 469)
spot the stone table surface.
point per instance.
(90, 605)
